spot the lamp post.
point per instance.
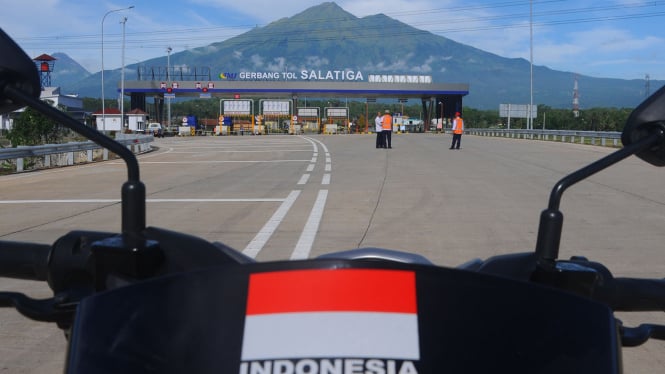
(530, 119)
(103, 106)
(122, 77)
(168, 78)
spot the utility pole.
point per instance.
(647, 86)
(103, 107)
(576, 99)
(168, 82)
(530, 111)
(122, 78)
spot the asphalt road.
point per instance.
(281, 197)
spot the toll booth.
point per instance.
(398, 123)
(277, 116)
(413, 125)
(308, 118)
(336, 117)
(237, 117)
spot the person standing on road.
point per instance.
(387, 121)
(458, 130)
(378, 127)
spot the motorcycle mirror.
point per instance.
(647, 119)
(643, 135)
(20, 86)
(16, 70)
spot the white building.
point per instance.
(109, 120)
(135, 120)
(72, 104)
(67, 102)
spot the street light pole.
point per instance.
(530, 120)
(122, 77)
(168, 78)
(103, 103)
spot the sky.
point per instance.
(600, 38)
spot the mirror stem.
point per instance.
(551, 219)
(133, 191)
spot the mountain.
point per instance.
(326, 37)
(66, 71)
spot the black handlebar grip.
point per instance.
(633, 294)
(24, 260)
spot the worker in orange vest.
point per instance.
(387, 129)
(458, 130)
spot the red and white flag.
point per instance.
(364, 313)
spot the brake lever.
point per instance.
(634, 336)
(59, 309)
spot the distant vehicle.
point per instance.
(156, 129)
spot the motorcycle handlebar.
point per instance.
(30, 261)
(24, 260)
(633, 294)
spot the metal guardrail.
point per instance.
(137, 144)
(602, 138)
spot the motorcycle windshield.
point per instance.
(338, 316)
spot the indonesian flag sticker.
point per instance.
(331, 313)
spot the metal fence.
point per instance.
(66, 154)
(606, 139)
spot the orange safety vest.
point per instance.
(458, 126)
(387, 122)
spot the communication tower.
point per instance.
(647, 86)
(45, 65)
(576, 99)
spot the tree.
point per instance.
(33, 128)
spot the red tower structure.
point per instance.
(45, 65)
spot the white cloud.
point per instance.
(614, 40)
(598, 51)
(596, 47)
(205, 49)
(316, 61)
(426, 67)
(278, 64)
(257, 61)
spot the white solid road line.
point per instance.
(308, 235)
(105, 201)
(262, 237)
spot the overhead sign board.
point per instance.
(308, 112)
(337, 112)
(517, 110)
(276, 107)
(399, 78)
(342, 74)
(237, 107)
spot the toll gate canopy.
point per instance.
(439, 100)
